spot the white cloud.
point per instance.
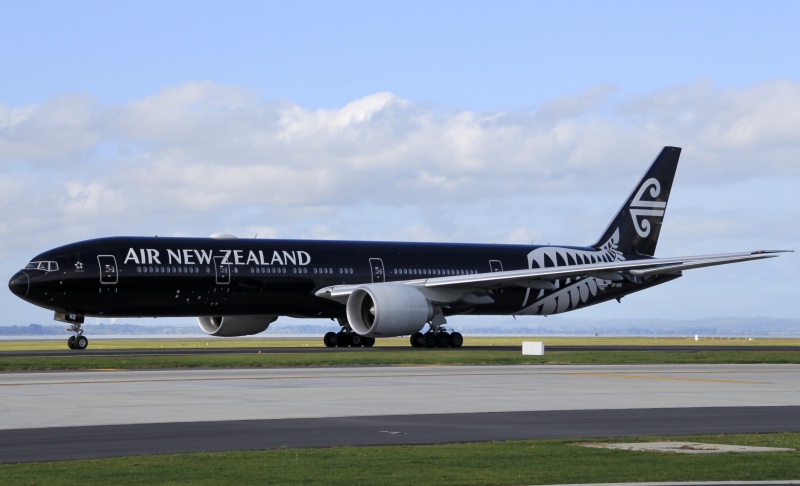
(55, 131)
(203, 153)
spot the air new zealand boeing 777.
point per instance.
(237, 287)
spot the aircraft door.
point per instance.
(109, 274)
(376, 269)
(222, 271)
(496, 266)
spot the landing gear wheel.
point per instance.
(456, 340)
(71, 342)
(329, 339)
(417, 340)
(81, 342)
(443, 340)
(369, 342)
(356, 340)
(342, 340)
(429, 339)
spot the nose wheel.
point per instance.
(78, 341)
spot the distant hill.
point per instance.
(553, 326)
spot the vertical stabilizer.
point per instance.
(638, 223)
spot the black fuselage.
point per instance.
(167, 277)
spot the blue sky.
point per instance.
(445, 121)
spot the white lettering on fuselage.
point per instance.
(192, 256)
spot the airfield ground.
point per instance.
(505, 462)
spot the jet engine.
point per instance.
(230, 326)
(386, 310)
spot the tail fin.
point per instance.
(635, 228)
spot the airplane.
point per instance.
(374, 289)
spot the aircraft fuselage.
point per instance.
(170, 277)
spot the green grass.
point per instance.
(405, 357)
(514, 462)
(273, 342)
(398, 354)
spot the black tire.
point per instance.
(416, 340)
(456, 340)
(71, 342)
(443, 340)
(429, 339)
(369, 342)
(329, 339)
(356, 340)
(81, 342)
(342, 340)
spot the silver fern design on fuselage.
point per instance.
(569, 293)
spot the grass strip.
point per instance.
(513, 462)
(401, 357)
(280, 342)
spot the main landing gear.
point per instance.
(437, 336)
(441, 339)
(345, 338)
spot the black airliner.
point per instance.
(238, 287)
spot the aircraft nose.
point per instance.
(19, 284)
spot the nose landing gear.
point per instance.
(78, 341)
(75, 321)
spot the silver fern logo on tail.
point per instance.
(642, 210)
(569, 293)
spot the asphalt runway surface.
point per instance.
(88, 414)
(284, 350)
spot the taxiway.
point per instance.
(81, 414)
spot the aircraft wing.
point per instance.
(443, 289)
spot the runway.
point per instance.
(82, 414)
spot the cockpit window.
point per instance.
(46, 266)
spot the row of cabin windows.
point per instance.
(253, 270)
(271, 270)
(432, 272)
(151, 269)
(427, 272)
(274, 270)
(316, 270)
(329, 271)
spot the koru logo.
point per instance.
(642, 210)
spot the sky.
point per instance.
(503, 122)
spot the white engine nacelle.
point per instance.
(386, 310)
(230, 326)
